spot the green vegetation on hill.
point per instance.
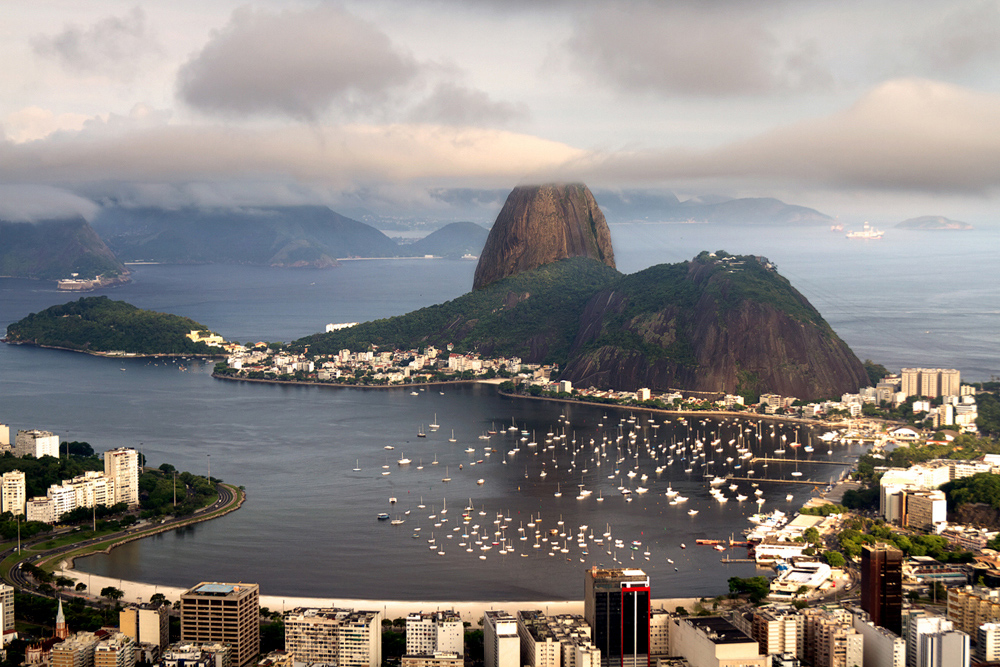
(98, 324)
(515, 316)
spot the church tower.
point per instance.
(62, 631)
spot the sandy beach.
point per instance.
(136, 591)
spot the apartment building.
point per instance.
(214, 612)
(435, 632)
(342, 637)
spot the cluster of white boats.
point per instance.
(628, 452)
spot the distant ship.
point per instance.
(868, 232)
(836, 228)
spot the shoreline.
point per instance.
(470, 610)
(115, 355)
(572, 401)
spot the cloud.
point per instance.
(698, 49)
(966, 36)
(453, 104)
(904, 135)
(341, 157)
(112, 46)
(294, 63)
(30, 203)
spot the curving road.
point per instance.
(229, 499)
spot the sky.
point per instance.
(877, 110)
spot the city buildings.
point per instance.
(712, 641)
(342, 637)
(115, 650)
(74, 651)
(553, 640)
(969, 607)
(146, 623)
(435, 632)
(225, 613)
(616, 604)
(197, 655)
(830, 638)
(501, 644)
(12, 493)
(882, 648)
(122, 467)
(779, 630)
(36, 443)
(882, 585)
(7, 607)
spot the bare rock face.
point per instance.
(541, 224)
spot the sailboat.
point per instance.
(434, 425)
(357, 465)
(446, 478)
(420, 432)
(452, 438)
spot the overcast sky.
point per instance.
(866, 110)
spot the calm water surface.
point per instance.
(309, 526)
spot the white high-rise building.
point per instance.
(12, 492)
(944, 649)
(92, 488)
(435, 632)
(63, 499)
(122, 467)
(4, 436)
(7, 606)
(501, 644)
(36, 443)
(916, 629)
(988, 642)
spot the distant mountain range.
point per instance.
(934, 223)
(291, 236)
(639, 206)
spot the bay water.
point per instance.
(309, 526)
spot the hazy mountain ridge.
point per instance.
(933, 223)
(55, 249)
(453, 241)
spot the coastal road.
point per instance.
(229, 499)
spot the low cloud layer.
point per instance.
(30, 203)
(296, 63)
(906, 135)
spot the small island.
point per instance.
(98, 325)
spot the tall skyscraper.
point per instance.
(122, 465)
(227, 613)
(882, 585)
(616, 605)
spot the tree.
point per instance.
(81, 587)
(757, 588)
(112, 594)
(834, 558)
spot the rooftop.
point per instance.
(719, 630)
